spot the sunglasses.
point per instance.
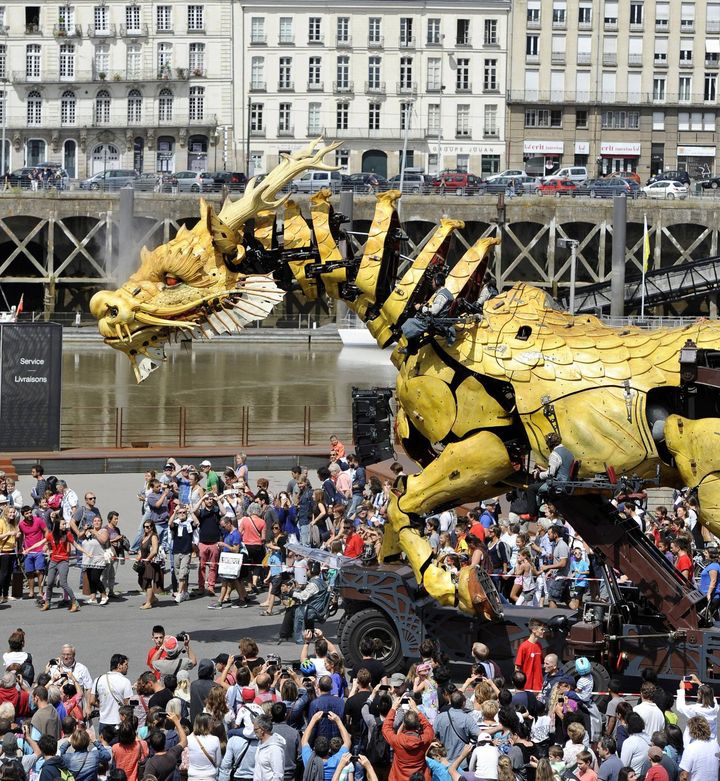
(90, 498)
(147, 527)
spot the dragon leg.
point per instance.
(465, 471)
(697, 457)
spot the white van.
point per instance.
(575, 173)
(312, 181)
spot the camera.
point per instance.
(273, 659)
(94, 714)
(238, 660)
(181, 637)
(53, 663)
(134, 702)
(353, 758)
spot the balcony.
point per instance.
(257, 132)
(286, 86)
(532, 59)
(711, 62)
(286, 40)
(661, 25)
(610, 25)
(559, 24)
(344, 42)
(316, 40)
(375, 87)
(597, 97)
(258, 40)
(140, 31)
(407, 43)
(286, 132)
(432, 132)
(584, 58)
(434, 41)
(413, 134)
(660, 62)
(687, 26)
(609, 58)
(433, 86)
(194, 73)
(258, 86)
(376, 43)
(491, 133)
(533, 24)
(108, 31)
(583, 25)
(688, 63)
(635, 60)
(315, 86)
(712, 26)
(464, 87)
(343, 87)
(164, 30)
(196, 30)
(33, 28)
(463, 43)
(463, 132)
(67, 31)
(406, 87)
(557, 58)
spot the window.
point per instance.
(284, 114)
(314, 29)
(196, 59)
(532, 45)
(559, 13)
(686, 50)
(102, 108)
(490, 83)
(32, 62)
(489, 164)
(132, 18)
(611, 13)
(658, 120)
(102, 59)
(67, 108)
(257, 29)
(542, 117)
(163, 19)
(374, 73)
(257, 73)
(687, 17)
(581, 119)
(287, 35)
(490, 36)
(463, 120)
(257, 123)
(585, 15)
(462, 74)
(661, 51)
(374, 116)
(709, 121)
(433, 32)
(66, 18)
(314, 73)
(683, 120)
(406, 31)
(462, 37)
(490, 128)
(134, 107)
(34, 109)
(342, 158)
(658, 88)
(343, 29)
(433, 127)
(134, 61)
(684, 87)
(433, 74)
(285, 73)
(533, 13)
(662, 16)
(710, 87)
(196, 18)
(406, 115)
(164, 51)
(67, 61)
(3, 61)
(196, 108)
(101, 19)
(343, 72)
(636, 13)
(342, 116)
(313, 119)
(406, 73)
(374, 30)
(165, 105)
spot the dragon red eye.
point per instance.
(171, 281)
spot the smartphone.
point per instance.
(354, 758)
(688, 678)
(134, 703)
(325, 714)
(384, 688)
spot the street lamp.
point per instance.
(408, 116)
(3, 161)
(573, 245)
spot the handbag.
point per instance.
(138, 566)
(230, 565)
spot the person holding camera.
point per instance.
(207, 512)
(411, 741)
(178, 655)
(319, 757)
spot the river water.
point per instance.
(275, 382)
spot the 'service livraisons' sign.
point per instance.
(31, 365)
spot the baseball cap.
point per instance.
(170, 645)
(484, 737)
(247, 693)
(205, 463)
(169, 466)
(655, 752)
(221, 659)
(397, 679)
(3, 499)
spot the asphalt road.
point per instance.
(120, 626)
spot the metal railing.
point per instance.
(241, 426)
(600, 97)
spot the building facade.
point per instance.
(100, 85)
(616, 85)
(428, 77)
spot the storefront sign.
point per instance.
(620, 149)
(466, 149)
(543, 147)
(696, 151)
(582, 147)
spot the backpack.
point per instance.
(316, 606)
(66, 775)
(14, 762)
(378, 750)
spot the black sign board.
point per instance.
(31, 368)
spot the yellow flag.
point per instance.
(646, 247)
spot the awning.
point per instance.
(712, 46)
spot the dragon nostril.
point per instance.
(113, 311)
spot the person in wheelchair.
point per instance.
(438, 306)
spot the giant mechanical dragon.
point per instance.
(467, 412)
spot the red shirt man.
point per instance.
(409, 745)
(353, 543)
(529, 656)
(157, 651)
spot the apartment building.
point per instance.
(98, 85)
(617, 85)
(380, 77)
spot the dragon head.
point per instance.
(193, 286)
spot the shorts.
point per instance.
(182, 565)
(578, 592)
(556, 589)
(34, 562)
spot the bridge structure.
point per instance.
(60, 248)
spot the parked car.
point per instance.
(413, 182)
(313, 181)
(507, 172)
(109, 180)
(671, 176)
(557, 187)
(457, 183)
(607, 188)
(365, 183)
(194, 181)
(573, 173)
(20, 177)
(667, 189)
(235, 181)
(710, 183)
(520, 185)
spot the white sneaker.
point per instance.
(179, 598)
(104, 599)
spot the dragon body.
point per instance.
(467, 411)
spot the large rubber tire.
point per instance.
(195, 189)
(601, 677)
(94, 186)
(670, 196)
(370, 623)
(713, 185)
